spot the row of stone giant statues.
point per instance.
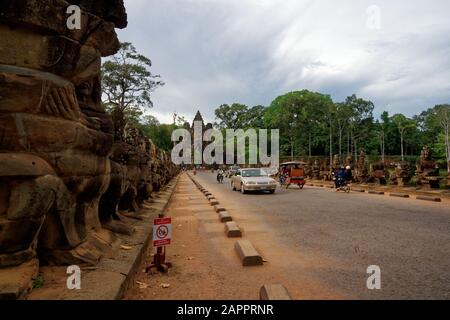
(426, 171)
(65, 177)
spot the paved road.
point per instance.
(340, 235)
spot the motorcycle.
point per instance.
(220, 178)
(342, 185)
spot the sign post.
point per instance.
(162, 235)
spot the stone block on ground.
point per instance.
(224, 216)
(399, 195)
(248, 254)
(232, 230)
(219, 208)
(274, 292)
(429, 198)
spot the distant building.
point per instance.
(190, 127)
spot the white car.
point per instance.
(253, 180)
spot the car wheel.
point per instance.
(272, 191)
(242, 189)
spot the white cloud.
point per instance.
(223, 51)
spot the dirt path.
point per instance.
(206, 266)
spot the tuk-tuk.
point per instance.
(292, 173)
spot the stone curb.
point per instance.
(218, 208)
(248, 254)
(274, 292)
(399, 195)
(376, 192)
(135, 269)
(224, 216)
(232, 230)
(429, 198)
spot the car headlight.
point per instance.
(272, 181)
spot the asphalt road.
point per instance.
(340, 235)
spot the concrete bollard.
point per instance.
(274, 292)
(248, 254)
(429, 198)
(232, 230)
(224, 216)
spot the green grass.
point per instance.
(38, 282)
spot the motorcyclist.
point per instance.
(348, 174)
(340, 177)
(220, 175)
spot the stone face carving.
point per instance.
(379, 173)
(427, 171)
(316, 170)
(56, 139)
(402, 173)
(362, 172)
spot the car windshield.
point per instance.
(254, 173)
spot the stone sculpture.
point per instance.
(402, 173)
(59, 160)
(427, 170)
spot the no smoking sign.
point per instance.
(162, 231)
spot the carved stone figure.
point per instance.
(378, 173)
(362, 172)
(427, 171)
(55, 136)
(63, 173)
(316, 170)
(402, 173)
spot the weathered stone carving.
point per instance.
(59, 163)
(378, 173)
(427, 171)
(362, 172)
(402, 173)
(316, 170)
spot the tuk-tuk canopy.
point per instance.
(293, 164)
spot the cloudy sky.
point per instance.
(210, 52)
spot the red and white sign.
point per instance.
(162, 231)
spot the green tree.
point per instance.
(403, 125)
(295, 114)
(127, 85)
(361, 121)
(231, 117)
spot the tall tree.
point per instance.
(127, 84)
(360, 121)
(344, 113)
(403, 125)
(231, 117)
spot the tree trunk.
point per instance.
(331, 146)
(292, 149)
(447, 143)
(348, 142)
(310, 144)
(340, 144)
(401, 145)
